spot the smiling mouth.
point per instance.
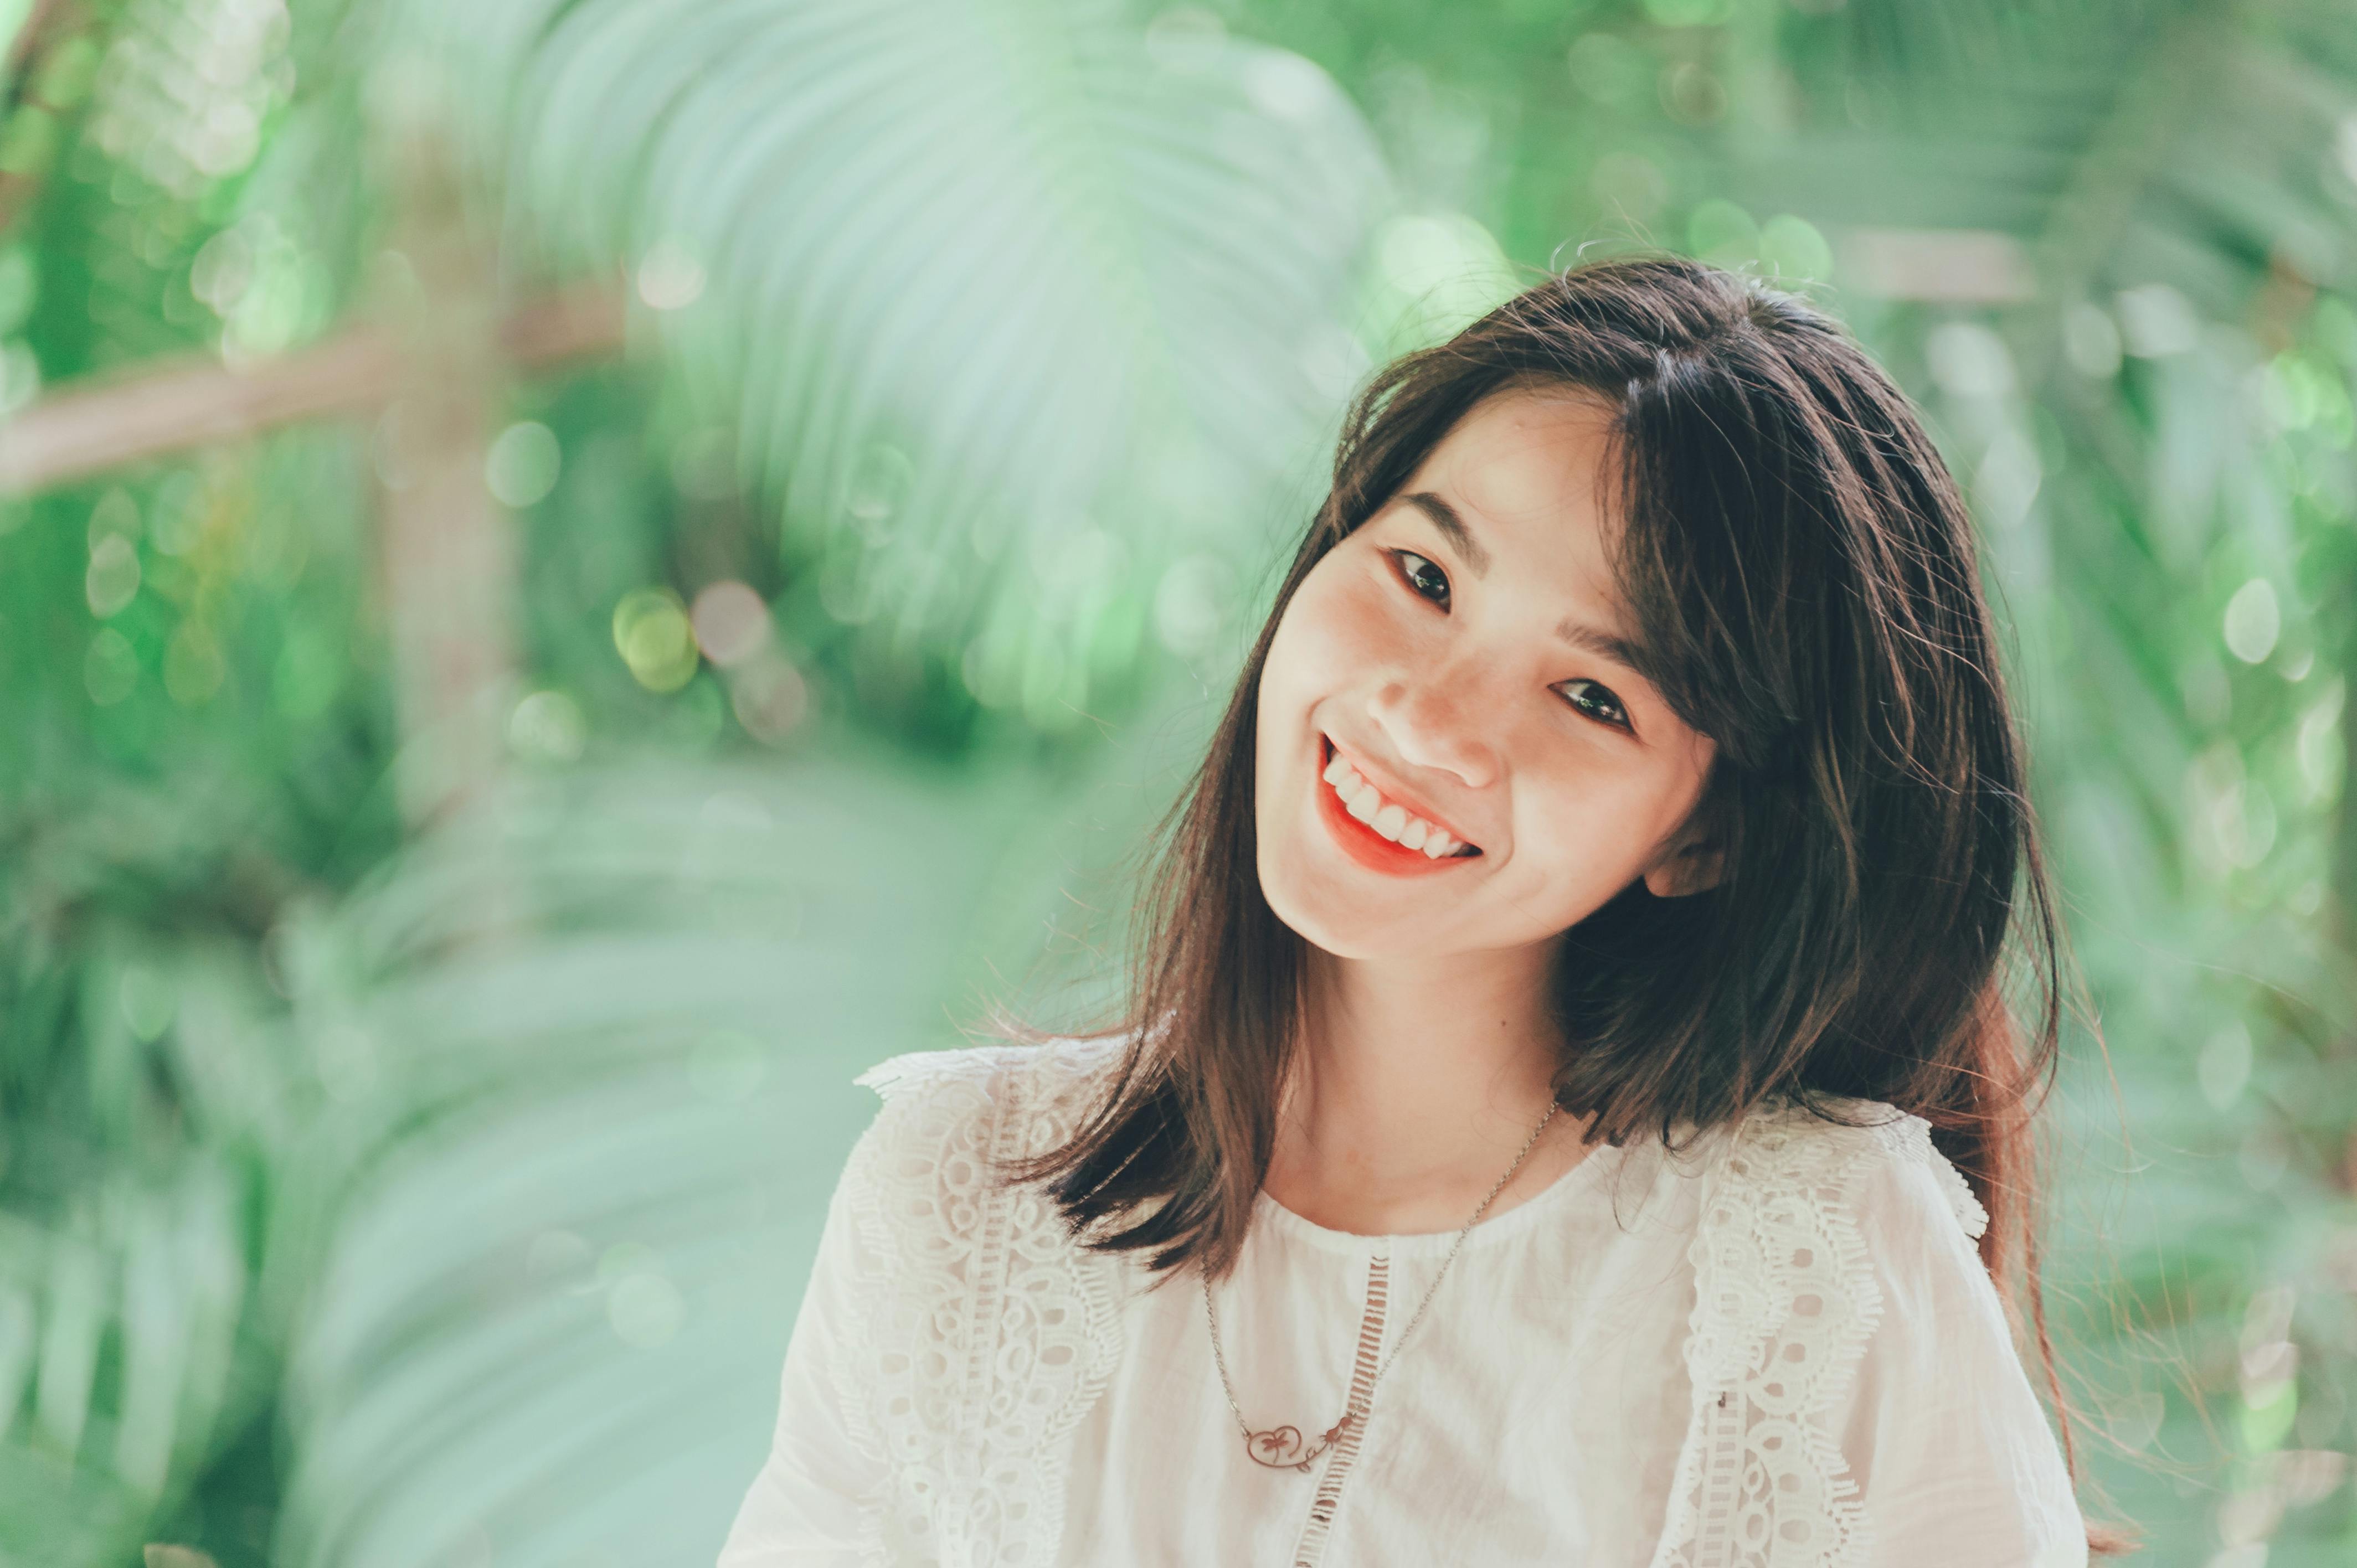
(1368, 844)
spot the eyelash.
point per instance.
(1618, 706)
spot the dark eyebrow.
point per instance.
(1620, 650)
(1604, 645)
(1452, 527)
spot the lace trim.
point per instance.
(990, 1335)
(1785, 1300)
(1912, 1136)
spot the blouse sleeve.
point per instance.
(1956, 1463)
(807, 1507)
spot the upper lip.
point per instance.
(1391, 789)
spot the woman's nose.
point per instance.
(1439, 720)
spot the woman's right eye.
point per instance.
(1417, 574)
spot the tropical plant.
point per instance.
(250, 1063)
(472, 809)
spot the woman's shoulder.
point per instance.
(1869, 1150)
(930, 1247)
(945, 1114)
(1051, 1078)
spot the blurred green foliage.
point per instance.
(382, 1184)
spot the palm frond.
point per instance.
(975, 279)
(552, 1227)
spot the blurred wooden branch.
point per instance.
(87, 429)
(21, 47)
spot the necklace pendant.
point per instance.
(1280, 1447)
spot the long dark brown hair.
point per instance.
(1801, 572)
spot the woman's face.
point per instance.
(1454, 652)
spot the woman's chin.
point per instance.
(1333, 917)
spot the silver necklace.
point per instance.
(1280, 1447)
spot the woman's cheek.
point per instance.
(1364, 628)
(1328, 638)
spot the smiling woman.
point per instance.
(1613, 836)
(1461, 651)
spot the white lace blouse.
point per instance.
(1777, 1350)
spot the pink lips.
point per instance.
(1365, 846)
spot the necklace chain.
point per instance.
(1280, 1447)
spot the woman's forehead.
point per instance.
(1530, 466)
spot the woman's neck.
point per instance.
(1415, 1084)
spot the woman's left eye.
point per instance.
(1606, 709)
(1402, 557)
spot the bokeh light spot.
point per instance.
(222, 270)
(193, 667)
(1793, 251)
(1286, 86)
(181, 514)
(20, 376)
(1967, 359)
(1720, 232)
(1447, 266)
(110, 670)
(669, 277)
(2254, 621)
(2318, 748)
(878, 486)
(2008, 479)
(547, 727)
(116, 515)
(171, 1554)
(112, 580)
(731, 623)
(1190, 604)
(523, 463)
(2225, 1065)
(2157, 321)
(1692, 94)
(624, 1259)
(769, 696)
(655, 639)
(2091, 341)
(559, 1257)
(645, 1310)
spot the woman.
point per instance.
(1566, 1071)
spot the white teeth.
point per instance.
(1364, 801)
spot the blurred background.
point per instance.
(573, 573)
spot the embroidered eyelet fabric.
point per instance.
(1785, 1304)
(1777, 1351)
(980, 1335)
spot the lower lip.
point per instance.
(1365, 846)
